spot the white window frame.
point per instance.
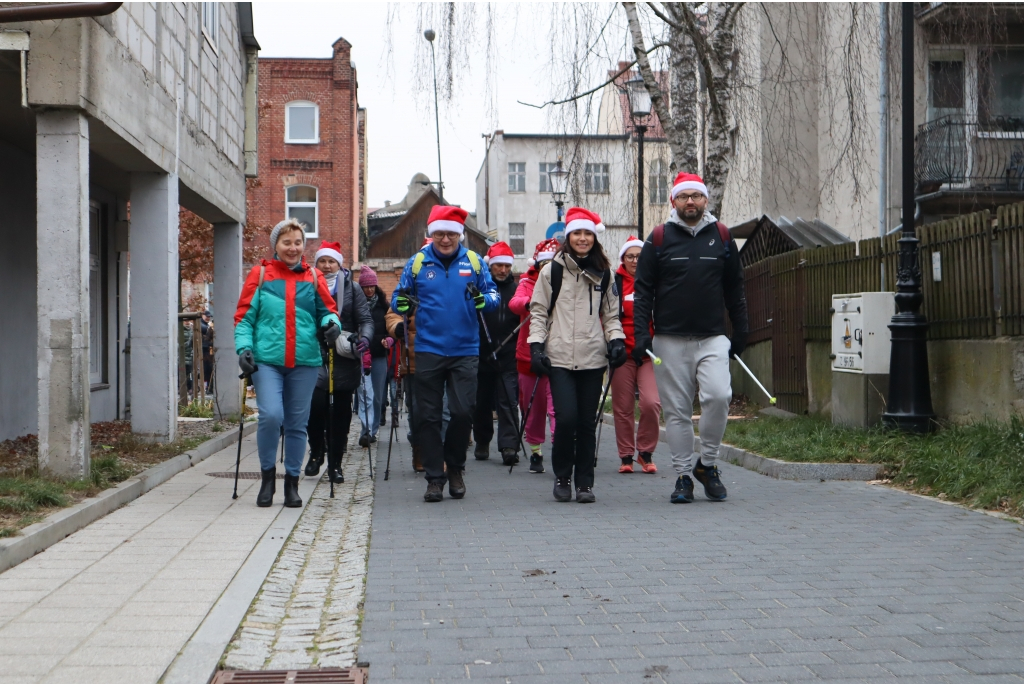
(521, 253)
(658, 172)
(597, 170)
(209, 14)
(520, 174)
(316, 123)
(315, 205)
(544, 181)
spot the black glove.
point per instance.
(479, 301)
(739, 343)
(616, 353)
(640, 349)
(539, 362)
(405, 303)
(247, 363)
(331, 333)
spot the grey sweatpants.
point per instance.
(685, 362)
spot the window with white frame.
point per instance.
(658, 182)
(210, 19)
(301, 123)
(517, 177)
(545, 181)
(1001, 87)
(517, 239)
(301, 205)
(597, 178)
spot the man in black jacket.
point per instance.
(489, 393)
(688, 276)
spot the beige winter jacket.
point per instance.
(576, 335)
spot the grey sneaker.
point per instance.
(585, 495)
(563, 489)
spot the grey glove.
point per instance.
(331, 333)
(247, 363)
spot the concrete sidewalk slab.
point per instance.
(116, 601)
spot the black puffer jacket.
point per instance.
(355, 318)
(501, 322)
(378, 311)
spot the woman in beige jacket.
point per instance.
(574, 335)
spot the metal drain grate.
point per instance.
(313, 675)
(242, 475)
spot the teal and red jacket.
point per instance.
(279, 320)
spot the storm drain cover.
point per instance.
(242, 475)
(312, 675)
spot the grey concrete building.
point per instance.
(108, 124)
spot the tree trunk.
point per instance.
(675, 140)
(683, 127)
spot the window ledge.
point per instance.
(302, 142)
(99, 386)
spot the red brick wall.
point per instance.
(331, 166)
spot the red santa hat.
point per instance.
(500, 253)
(544, 251)
(579, 219)
(447, 218)
(329, 249)
(631, 241)
(685, 181)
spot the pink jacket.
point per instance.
(520, 305)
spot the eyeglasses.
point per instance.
(630, 257)
(688, 198)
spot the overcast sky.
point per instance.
(400, 114)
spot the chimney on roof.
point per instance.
(387, 203)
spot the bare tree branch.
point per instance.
(664, 17)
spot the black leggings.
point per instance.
(318, 429)
(576, 395)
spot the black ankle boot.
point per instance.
(266, 496)
(291, 491)
(334, 472)
(314, 464)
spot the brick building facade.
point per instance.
(313, 149)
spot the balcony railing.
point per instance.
(954, 153)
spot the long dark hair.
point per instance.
(598, 259)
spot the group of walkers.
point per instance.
(472, 343)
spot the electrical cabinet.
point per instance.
(860, 357)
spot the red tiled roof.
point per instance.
(654, 129)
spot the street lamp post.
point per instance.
(430, 35)
(640, 108)
(910, 398)
(558, 181)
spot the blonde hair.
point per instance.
(287, 226)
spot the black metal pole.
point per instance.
(640, 130)
(910, 398)
(437, 124)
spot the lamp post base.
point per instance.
(910, 403)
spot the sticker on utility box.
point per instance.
(846, 361)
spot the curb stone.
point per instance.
(785, 470)
(57, 526)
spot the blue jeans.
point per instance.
(374, 395)
(283, 397)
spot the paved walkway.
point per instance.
(785, 581)
(116, 601)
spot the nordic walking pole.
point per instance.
(330, 416)
(750, 373)
(282, 443)
(246, 380)
(600, 411)
(529, 406)
(395, 412)
(510, 335)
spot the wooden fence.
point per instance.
(972, 277)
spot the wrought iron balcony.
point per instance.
(956, 154)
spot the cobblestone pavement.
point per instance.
(784, 581)
(307, 612)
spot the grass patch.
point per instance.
(981, 464)
(197, 409)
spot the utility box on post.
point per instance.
(860, 357)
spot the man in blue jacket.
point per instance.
(446, 285)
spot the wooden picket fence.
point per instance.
(972, 270)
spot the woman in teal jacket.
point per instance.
(284, 303)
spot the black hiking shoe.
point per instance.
(435, 492)
(536, 464)
(563, 489)
(291, 491)
(683, 493)
(266, 496)
(482, 453)
(456, 484)
(334, 472)
(314, 464)
(585, 495)
(509, 456)
(710, 478)
(364, 440)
